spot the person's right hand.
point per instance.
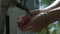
(23, 20)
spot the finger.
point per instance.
(21, 20)
(28, 28)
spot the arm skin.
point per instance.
(40, 21)
(35, 21)
(55, 4)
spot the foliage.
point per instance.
(47, 1)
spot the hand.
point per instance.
(25, 20)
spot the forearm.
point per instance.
(45, 18)
(55, 4)
(53, 15)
